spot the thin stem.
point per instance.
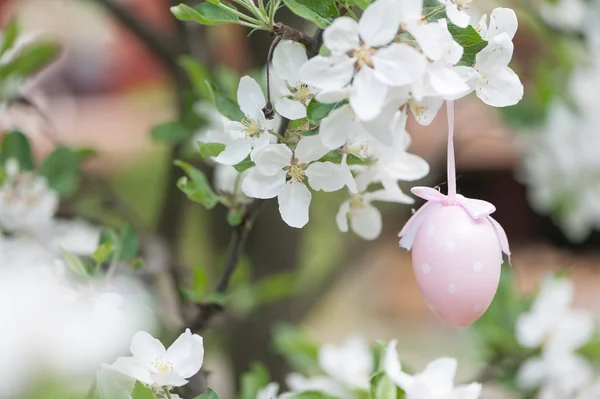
(433, 12)
(167, 393)
(249, 5)
(261, 6)
(268, 110)
(238, 14)
(237, 244)
(274, 7)
(451, 160)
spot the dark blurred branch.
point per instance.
(312, 43)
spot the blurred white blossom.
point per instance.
(154, 365)
(436, 381)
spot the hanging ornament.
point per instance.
(456, 248)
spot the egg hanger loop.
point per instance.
(451, 160)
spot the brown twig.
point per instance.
(312, 43)
(268, 109)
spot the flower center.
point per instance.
(163, 367)
(251, 127)
(295, 172)
(302, 93)
(364, 56)
(463, 3)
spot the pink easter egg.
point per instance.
(457, 262)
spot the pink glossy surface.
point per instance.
(457, 262)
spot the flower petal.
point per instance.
(250, 97)
(502, 89)
(366, 222)
(332, 96)
(368, 94)
(496, 55)
(341, 36)
(294, 201)
(502, 20)
(440, 374)
(379, 23)
(112, 384)
(134, 368)
(410, 10)
(399, 64)
(337, 127)
(532, 373)
(325, 176)
(257, 185)
(341, 218)
(271, 159)
(432, 38)
(444, 81)
(235, 152)
(456, 16)
(426, 110)
(290, 109)
(393, 368)
(186, 354)
(334, 72)
(288, 57)
(146, 348)
(310, 149)
(170, 379)
(471, 391)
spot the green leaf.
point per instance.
(300, 351)
(74, 263)
(228, 107)
(170, 132)
(381, 387)
(16, 145)
(244, 165)
(198, 76)
(316, 111)
(102, 253)
(253, 381)
(140, 391)
(470, 40)
(61, 169)
(85, 153)
(9, 36)
(197, 189)
(209, 394)
(205, 14)
(360, 3)
(30, 59)
(321, 12)
(130, 243)
(208, 150)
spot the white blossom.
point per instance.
(564, 14)
(154, 365)
(365, 219)
(253, 131)
(292, 94)
(363, 58)
(560, 330)
(455, 10)
(348, 367)
(281, 173)
(436, 381)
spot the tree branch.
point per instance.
(312, 43)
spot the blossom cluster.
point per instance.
(348, 372)
(558, 330)
(561, 166)
(370, 75)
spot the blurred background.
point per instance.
(537, 162)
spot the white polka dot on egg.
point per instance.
(425, 268)
(450, 246)
(451, 289)
(477, 266)
(477, 308)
